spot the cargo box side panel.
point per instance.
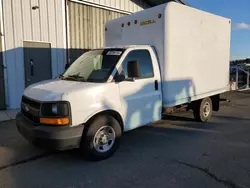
(197, 55)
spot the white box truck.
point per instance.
(156, 60)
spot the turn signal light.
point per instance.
(55, 121)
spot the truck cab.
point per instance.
(103, 93)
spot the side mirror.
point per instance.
(133, 68)
(119, 77)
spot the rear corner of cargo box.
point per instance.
(197, 54)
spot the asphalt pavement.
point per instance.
(175, 152)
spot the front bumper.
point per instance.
(49, 137)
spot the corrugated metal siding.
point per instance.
(22, 23)
(87, 27)
(125, 5)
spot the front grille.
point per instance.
(31, 103)
(31, 109)
(31, 117)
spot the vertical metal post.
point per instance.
(247, 79)
(3, 71)
(237, 77)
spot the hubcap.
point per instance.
(206, 109)
(104, 139)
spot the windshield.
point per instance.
(93, 66)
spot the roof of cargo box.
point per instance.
(123, 46)
(158, 2)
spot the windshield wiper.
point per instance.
(61, 76)
(75, 77)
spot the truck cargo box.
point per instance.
(193, 48)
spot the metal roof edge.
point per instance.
(158, 2)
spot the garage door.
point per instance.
(87, 27)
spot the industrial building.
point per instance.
(38, 37)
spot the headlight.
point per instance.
(54, 109)
(57, 109)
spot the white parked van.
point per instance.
(155, 61)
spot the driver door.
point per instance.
(141, 97)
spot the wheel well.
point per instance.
(112, 113)
(215, 102)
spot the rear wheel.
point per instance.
(101, 138)
(203, 110)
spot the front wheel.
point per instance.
(203, 110)
(101, 138)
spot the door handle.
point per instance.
(31, 67)
(156, 85)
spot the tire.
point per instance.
(200, 106)
(95, 147)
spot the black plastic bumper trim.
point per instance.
(58, 138)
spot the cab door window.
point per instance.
(145, 62)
